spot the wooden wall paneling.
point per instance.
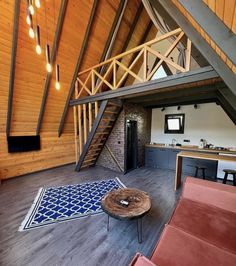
(6, 33)
(54, 48)
(99, 32)
(78, 65)
(13, 63)
(30, 70)
(52, 154)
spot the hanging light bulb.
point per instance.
(28, 17)
(57, 85)
(38, 47)
(48, 63)
(31, 32)
(30, 7)
(37, 3)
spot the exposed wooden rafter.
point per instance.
(13, 62)
(222, 36)
(78, 65)
(58, 31)
(223, 70)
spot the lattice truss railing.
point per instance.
(113, 73)
(136, 65)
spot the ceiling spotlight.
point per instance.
(195, 106)
(179, 107)
(163, 109)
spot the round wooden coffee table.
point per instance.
(127, 204)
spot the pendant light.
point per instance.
(48, 62)
(28, 17)
(38, 47)
(30, 7)
(31, 32)
(37, 3)
(57, 85)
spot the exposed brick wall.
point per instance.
(116, 140)
(143, 117)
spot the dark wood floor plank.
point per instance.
(84, 241)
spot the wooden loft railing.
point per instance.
(113, 72)
(94, 121)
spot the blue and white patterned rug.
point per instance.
(64, 203)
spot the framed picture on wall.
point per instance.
(174, 124)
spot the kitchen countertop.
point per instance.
(190, 148)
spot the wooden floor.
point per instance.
(84, 241)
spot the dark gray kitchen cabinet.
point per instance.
(172, 158)
(165, 158)
(162, 158)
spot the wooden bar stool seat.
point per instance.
(229, 172)
(203, 169)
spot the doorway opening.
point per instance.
(131, 145)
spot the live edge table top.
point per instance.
(139, 203)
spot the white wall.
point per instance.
(209, 122)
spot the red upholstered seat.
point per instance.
(209, 223)
(211, 193)
(202, 229)
(177, 247)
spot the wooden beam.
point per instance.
(56, 41)
(85, 122)
(78, 65)
(153, 86)
(223, 70)
(13, 63)
(165, 96)
(218, 32)
(227, 101)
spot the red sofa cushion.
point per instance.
(209, 223)
(177, 247)
(140, 260)
(212, 193)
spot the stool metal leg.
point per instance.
(196, 172)
(234, 179)
(225, 178)
(203, 174)
(108, 222)
(139, 229)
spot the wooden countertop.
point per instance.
(190, 148)
(207, 156)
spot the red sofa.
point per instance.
(202, 229)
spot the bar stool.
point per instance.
(203, 168)
(229, 172)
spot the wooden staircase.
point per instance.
(104, 121)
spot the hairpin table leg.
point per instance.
(139, 229)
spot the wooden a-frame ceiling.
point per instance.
(29, 75)
(29, 68)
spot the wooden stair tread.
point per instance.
(108, 119)
(111, 112)
(102, 133)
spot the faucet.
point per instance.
(174, 141)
